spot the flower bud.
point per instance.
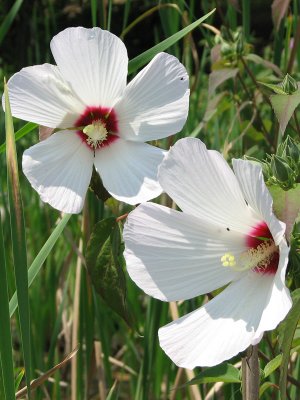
(240, 44)
(292, 150)
(280, 169)
(289, 85)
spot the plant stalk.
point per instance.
(250, 374)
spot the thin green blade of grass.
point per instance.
(8, 20)
(109, 15)
(27, 128)
(5, 333)
(18, 238)
(143, 58)
(40, 258)
(246, 18)
(94, 9)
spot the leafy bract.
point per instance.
(103, 260)
(284, 106)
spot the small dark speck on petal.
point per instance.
(181, 79)
(228, 229)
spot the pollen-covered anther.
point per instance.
(257, 258)
(96, 133)
(228, 260)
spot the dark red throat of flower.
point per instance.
(106, 116)
(261, 236)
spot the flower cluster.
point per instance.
(225, 235)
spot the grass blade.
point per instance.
(40, 258)
(246, 18)
(30, 126)
(18, 237)
(6, 356)
(8, 20)
(143, 58)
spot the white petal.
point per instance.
(225, 326)
(202, 184)
(129, 170)
(94, 62)
(40, 94)
(59, 169)
(280, 300)
(252, 183)
(174, 256)
(155, 103)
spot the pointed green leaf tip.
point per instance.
(281, 170)
(145, 57)
(224, 372)
(285, 101)
(103, 259)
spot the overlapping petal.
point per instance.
(59, 169)
(94, 62)
(280, 299)
(202, 184)
(129, 170)
(254, 189)
(226, 325)
(175, 256)
(40, 94)
(155, 103)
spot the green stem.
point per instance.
(250, 374)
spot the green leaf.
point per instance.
(279, 10)
(219, 76)
(40, 258)
(272, 365)
(284, 106)
(275, 87)
(265, 386)
(19, 379)
(104, 266)
(220, 373)
(18, 239)
(6, 356)
(145, 57)
(97, 187)
(259, 60)
(9, 18)
(29, 127)
(286, 205)
(290, 325)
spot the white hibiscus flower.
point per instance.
(226, 234)
(87, 90)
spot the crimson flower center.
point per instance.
(98, 127)
(261, 256)
(260, 238)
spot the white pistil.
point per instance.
(258, 257)
(96, 133)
